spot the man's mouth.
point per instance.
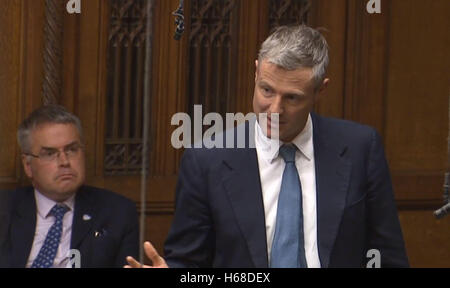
(66, 176)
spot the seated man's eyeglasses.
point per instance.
(49, 154)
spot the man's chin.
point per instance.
(67, 189)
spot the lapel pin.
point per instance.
(97, 234)
(86, 217)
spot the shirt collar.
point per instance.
(303, 141)
(44, 204)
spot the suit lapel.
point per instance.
(243, 187)
(83, 217)
(23, 226)
(332, 180)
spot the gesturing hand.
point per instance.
(152, 254)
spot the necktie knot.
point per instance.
(59, 211)
(287, 152)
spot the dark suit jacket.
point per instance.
(111, 234)
(4, 226)
(219, 218)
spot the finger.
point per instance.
(133, 263)
(153, 255)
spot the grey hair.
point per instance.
(293, 47)
(49, 114)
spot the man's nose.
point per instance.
(63, 160)
(277, 105)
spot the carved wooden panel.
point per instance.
(53, 51)
(287, 12)
(213, 43)
(125, 86)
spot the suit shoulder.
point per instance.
(17, 195)
(344, 129)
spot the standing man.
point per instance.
(59, 212)
(323, 198)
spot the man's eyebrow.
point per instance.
(48, 148)
(72, 144)
(53, 148)
(264, 83)
(295, 93)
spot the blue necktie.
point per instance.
(48, 250)
(288, 249)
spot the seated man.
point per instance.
(59, 213)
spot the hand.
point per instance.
(150, 251)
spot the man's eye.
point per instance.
(265, 90)
(48, 153)
(293, 97)
(73, 149)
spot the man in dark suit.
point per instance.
(60, 222)
(322, 198)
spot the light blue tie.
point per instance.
(288, 249)
(48, 250)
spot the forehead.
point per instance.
(274, 75)
(54, 135)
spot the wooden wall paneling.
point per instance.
(288, 12)
(182, 87)
(71, 58)
(32, 52)
(87, 57)
(10, 83)
(366, 66)
(330, 17)
(157, 226)
(426, 239)
(253, 28)
(167, 93)
(418, 88)
(213, 45)
(20, 78)
(104, 20)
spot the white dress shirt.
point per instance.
(43, 223)
(271, 167)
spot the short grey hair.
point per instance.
(293, 47)
(49, 114)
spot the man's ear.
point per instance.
(320, 91)
(27, 165)
(256, 69)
